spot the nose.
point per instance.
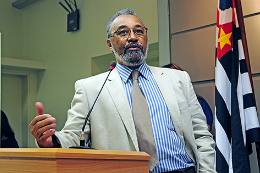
(132, 36)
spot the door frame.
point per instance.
(28, 71)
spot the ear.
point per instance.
(109, 44)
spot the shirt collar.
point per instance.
(125, 72)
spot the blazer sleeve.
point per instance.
(203, 138)
(70, 134)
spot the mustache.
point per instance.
(133, 44)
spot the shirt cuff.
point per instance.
(55, 140)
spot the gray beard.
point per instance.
(132, 58)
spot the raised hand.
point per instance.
(42, 126)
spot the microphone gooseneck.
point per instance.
(82, 139)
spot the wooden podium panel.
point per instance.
(65, 160)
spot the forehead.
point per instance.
(130, 21)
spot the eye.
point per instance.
(139, 31)
(123, 32)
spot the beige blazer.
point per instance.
(111, 125)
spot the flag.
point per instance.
(236, 120)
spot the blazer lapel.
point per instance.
(118, 95)
(166, 87)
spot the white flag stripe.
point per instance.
(222, 141)
(251, 118)
(235, 12)
(230, 163)
(241, 107)
(221, 80)
(217, 30)
(225, 16)
(246, 84)
(240, 50)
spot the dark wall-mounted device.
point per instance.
(72, 17)
(73, 21)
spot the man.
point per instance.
(180, 133)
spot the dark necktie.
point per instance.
(142, 121)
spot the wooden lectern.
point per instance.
(49, 160)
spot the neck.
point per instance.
(131, 67)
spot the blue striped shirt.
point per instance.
(171, 152)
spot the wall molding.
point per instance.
(22, 64)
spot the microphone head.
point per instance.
(112, 65)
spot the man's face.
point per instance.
(132, 50)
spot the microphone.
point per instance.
(82, 140)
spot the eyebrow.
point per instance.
(124, 26)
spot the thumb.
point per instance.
(39, 108)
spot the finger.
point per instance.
(44, 130)
(40, 124)
(39, 118)
(46, 139)
(44, 123)
(39, 108)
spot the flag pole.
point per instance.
(240, 19)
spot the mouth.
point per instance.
(133, 47)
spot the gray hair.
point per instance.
(119, 13)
